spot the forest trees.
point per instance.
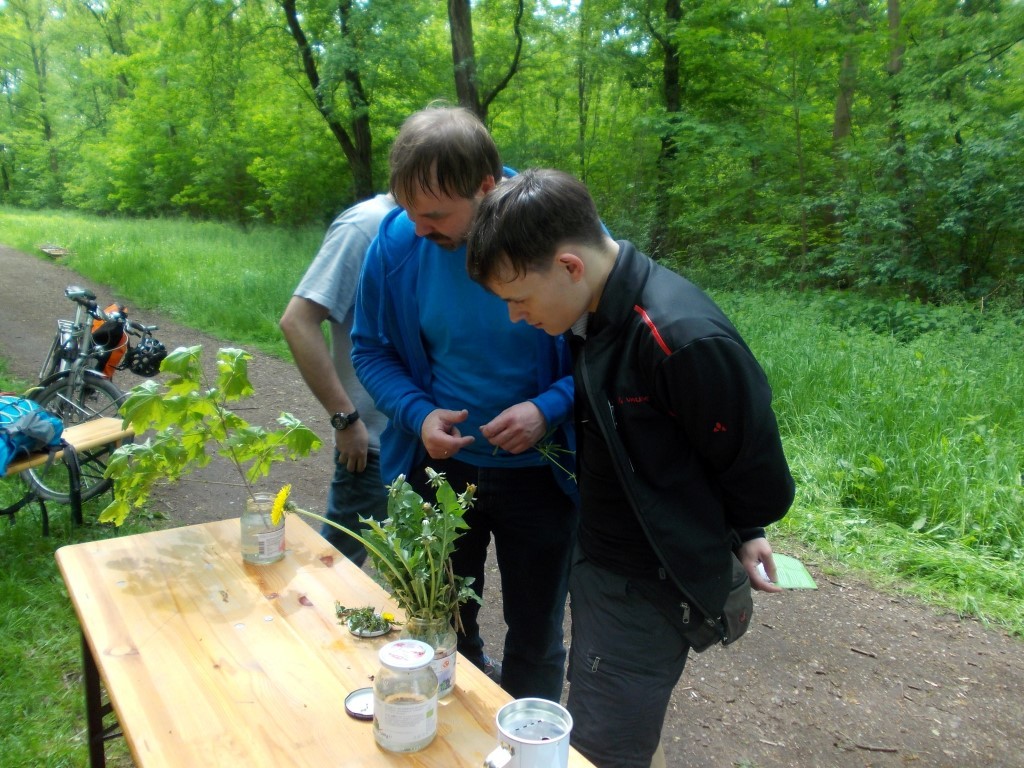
(355, 141)
(835, 142)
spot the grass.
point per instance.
(902, 424)
(41, 693)
(905, 446)
(230, 282)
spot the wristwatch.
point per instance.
(344, 420)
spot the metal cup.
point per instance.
(532, 733)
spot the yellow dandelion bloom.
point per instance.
(388, 617)
(277, 512)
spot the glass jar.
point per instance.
(405, 697)
(440, 635)
(262, 542)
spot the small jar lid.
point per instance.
(359, 704)
(406, 655)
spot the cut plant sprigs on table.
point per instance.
(366, 622)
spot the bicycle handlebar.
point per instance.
(87, 299)
(138, 329)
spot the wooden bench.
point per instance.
(83, 438)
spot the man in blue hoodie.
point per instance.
(470, 395)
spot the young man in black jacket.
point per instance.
(679, 459)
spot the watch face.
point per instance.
(343, 420)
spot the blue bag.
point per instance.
(25, 428)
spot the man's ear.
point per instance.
(486, 185)
(572, 264)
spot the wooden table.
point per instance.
(211, 661)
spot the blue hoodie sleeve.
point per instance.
(386, 353)
(556, 397)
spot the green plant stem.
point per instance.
(349, 532)
(420, 596)
(232, 455)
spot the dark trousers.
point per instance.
(354, 495)
(534, 529)
(626, 659)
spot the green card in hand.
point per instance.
(791, 573)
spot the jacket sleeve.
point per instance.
(383, 360)
(720, 398)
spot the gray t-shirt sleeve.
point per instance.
(333, 277)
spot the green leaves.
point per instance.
(233, 374)
(189, 420)
(411, 549)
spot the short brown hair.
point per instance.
(442, 150)
(523, 221)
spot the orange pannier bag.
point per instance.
(110, 334)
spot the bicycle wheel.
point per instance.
(99, 397)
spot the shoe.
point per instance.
(489, 667)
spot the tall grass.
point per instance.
(906, 446)
(42, 703)
(231, 282)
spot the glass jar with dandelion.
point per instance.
(411, 552)
(262, 538)
(189, 421)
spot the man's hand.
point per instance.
(353, 444)
(517, 428)
(440, 436)
(756, 551)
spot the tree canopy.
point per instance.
(838, 142)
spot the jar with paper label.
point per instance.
(405, 697)
(439, 634)
(262, 540)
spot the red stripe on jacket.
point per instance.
(654, 329)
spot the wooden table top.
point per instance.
(210, 661)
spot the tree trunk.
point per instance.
(38, 53)
(110, 23)
(897, 137)
(467, 88)
(842, 121)
(460, 22)
(358, 152)
(661, 240)
(359, 107)
(582, 89)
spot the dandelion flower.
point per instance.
(277, 511)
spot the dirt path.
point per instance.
(841, 676)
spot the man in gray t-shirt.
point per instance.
(327, 292)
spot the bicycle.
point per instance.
(76, 382)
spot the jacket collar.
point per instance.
(622, 290)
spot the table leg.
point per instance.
(95, 710)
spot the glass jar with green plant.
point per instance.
(191, 422)
(411, 551)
